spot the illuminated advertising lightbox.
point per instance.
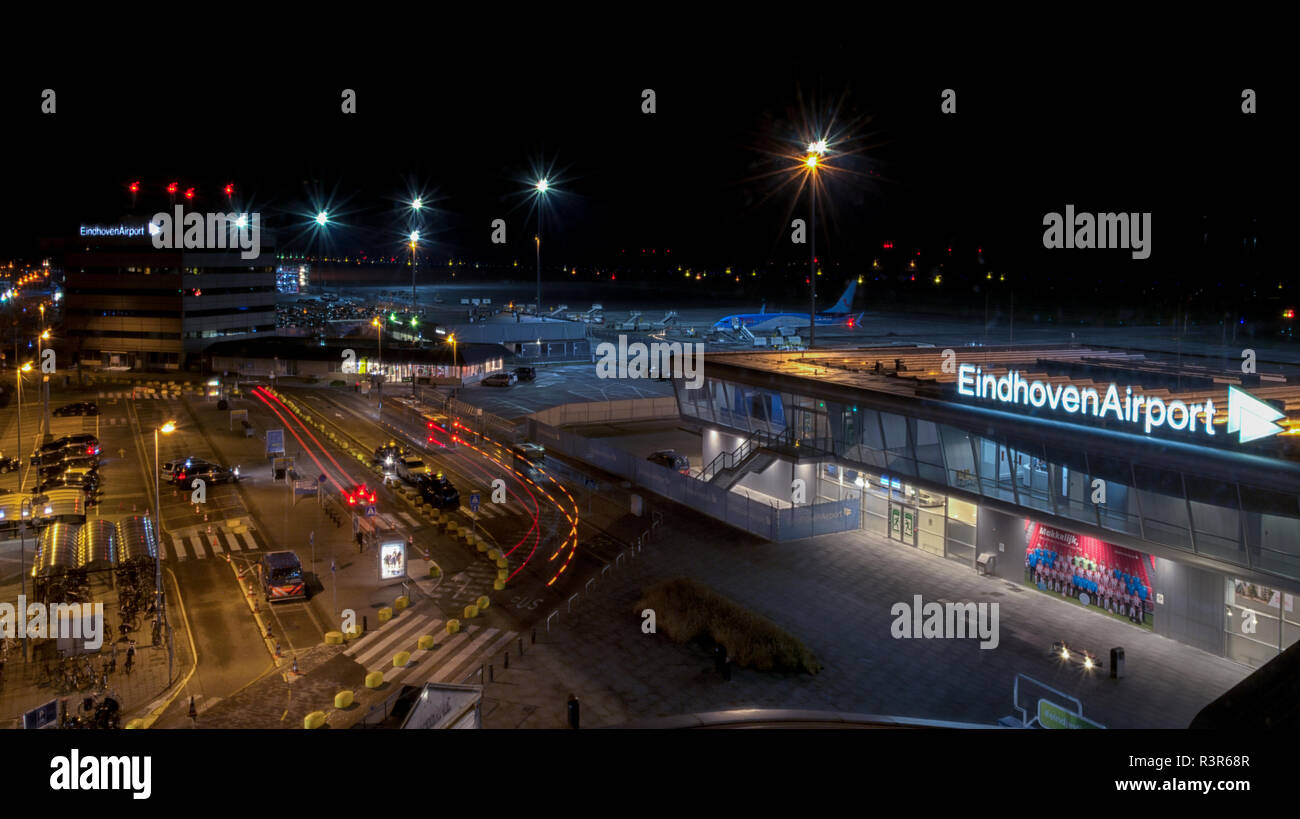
(392, 560)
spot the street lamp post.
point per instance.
(815, 152)
(452, 339)
(417, 205)
(45, 379)
(160, 616)
(542, 186)
(377, 322)
(22, 523)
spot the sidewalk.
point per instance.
(835, 593)
(135, 692)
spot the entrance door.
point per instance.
(902, 523)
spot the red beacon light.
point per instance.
(172, 187)
(230, 190)
(189, 193)
(134, 187)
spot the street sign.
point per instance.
(370, 511)
(473, 502)
(42, 716)
(1051, 715)
(274, 442)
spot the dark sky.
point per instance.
(1027, 138)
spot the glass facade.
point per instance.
(1261, 622)
(1234, 523)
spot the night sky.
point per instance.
(465, 131)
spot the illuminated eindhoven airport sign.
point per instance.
(1248, 416)
(136, 231)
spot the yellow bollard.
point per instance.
(313, 720)
(385, 614)
(434, 571)
(425, 642)
(453, 626)
(374, 679)
(401, 658)
(352, 633)
(498, 585)
(135, 724)
(493, 554)
(471, 612)
(333, 638)
(401, 603)
(483, 602)
(502, 563)
(343, 699)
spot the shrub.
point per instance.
(686, 610)
(337, 383)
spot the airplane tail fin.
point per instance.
(845, 304)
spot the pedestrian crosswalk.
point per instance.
(452, 658)
(141, 395)
(197, 542)
(487, 511)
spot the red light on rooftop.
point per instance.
(172, 187)
(230, 190)
(189, 193)
(134, 187)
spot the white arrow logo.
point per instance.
(1250, 417)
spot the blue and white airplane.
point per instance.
(765, 322)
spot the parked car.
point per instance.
(84, 463)
(671, 459)
(87, 442)
(500, 380)
(79, 408)
(525, 373)
(58, 456)
(7, 464)
(86, 481)
(438, 491)
(209, 473)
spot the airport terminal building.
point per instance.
(1157, 491)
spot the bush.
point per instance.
(337, 383)
(686, 610)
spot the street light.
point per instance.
(375, 322)
(160, 616)
(816, 150)
(543, 185)
(22, 553)
(452, 339)
(413, 242)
